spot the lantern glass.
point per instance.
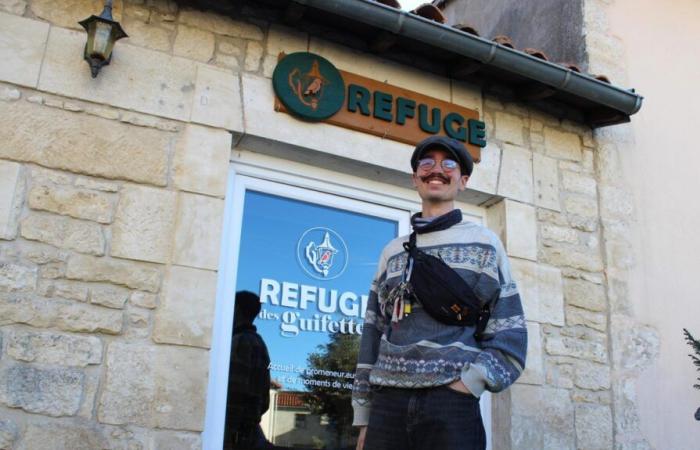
(100, 44)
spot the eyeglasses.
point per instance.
(426, 164)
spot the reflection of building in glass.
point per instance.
(290, 423)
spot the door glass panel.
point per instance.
(312, 266)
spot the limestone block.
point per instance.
(96, 185)
(253, 55)
(39, 253)
(35, 312)
(71, 290)
(534, 367)
(201, 160)
(635, 346)
(144, 299)
(468, 95)
(129, 387)
(541, 418)
(217, 99)
(68, 13)
(582, 212)
(594, 429)
(579, 316)
(540, 290)
(515, 180)
(84, 318)
(154, 386)
(227, 62)
(22, 44)
(42, 175)
(10, 198)
(144, 223)
(198, 231)
(578, 183)
(370, 66)
(167, 440)
(485, 175)
(8, 433)
(520, 230)
(576, 348)
(54, 348)
(509, 128)
(186, 314)
(78, 203)
(616, 203)
(14, 6)
(181, 380)
(560, 373)
(54, 392)
(10, 94)
(194, 43)
(562, 144)
(556, 233)
(262, 121)
(592, 376)
(131, 274)
(232, 46)
(546, 179)
(55, 436)
(283, 39)
(64, 232)
(90, 145)
(147, 35)
(17, 277)
(574, 257)
(109, 296)
(584, 294)
(220, 24)
(134, 80)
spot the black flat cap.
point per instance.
(452, 146)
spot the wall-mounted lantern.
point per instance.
(102, 32)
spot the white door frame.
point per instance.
(256, 172)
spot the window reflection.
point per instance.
(311, 266)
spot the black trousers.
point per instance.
(424, 419)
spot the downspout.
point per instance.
(490, 53)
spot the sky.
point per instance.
(408, 5)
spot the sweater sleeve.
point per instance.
(372, 331)
(504, 346)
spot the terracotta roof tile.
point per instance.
(536, 53)
(466, 28)
(504, 41)
(290, 399)
(431, 12)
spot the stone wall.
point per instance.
(634, 346)
(111, 205)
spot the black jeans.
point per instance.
(424, 419)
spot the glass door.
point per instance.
(310, 257)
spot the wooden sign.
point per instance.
(309, 87)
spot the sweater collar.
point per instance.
(426, 225)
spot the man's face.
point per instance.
(437, 184)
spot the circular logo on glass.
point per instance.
(309, 86)
(322, 253)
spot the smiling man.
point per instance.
(430, 347)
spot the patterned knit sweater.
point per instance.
(418, 351)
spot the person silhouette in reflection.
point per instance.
(248, 379)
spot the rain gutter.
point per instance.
(487, 52)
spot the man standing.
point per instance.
(418, 378)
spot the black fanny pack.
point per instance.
(442, 292)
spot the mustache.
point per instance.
(433, 176)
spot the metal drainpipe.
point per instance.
(442, 36)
